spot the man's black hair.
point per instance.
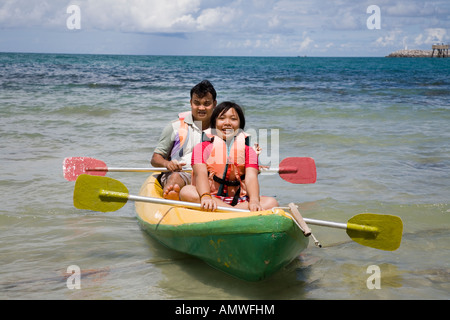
(203, 88)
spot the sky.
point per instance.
(330, 28)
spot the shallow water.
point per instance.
(377, 129)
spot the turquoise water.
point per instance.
(377, 128)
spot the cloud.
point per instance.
(119, 15)
(431, 36)
(249, 16)
(212, 18)
(305, 43)
(262, 16)
(411, 9)
(140, 16)
(398, 38)
(390, 39)
(23, 13)
(149, 16)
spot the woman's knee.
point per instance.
(269, 203)
(189, 193)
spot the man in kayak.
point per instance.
(174, 149)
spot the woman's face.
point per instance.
(227, 124)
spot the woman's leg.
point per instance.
(190, 194)
(268, 203)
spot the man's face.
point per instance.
(202, 108)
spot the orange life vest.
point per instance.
(226, 166)
(181, 138)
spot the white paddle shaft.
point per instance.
(198, 206)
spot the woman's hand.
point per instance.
(254, 205)
(200, 174)
(208, 203)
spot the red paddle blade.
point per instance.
(73, 167)
(298, 170)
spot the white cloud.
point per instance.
(390, 39)
(140, 16)
(119, 15)
(431, 36)
(398, 38)
(346, 19)
(221, 17)
(23, 13)
(411, 9)
(257, 16)
(305, 44)
(274, 22)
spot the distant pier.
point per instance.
(438, 50)
(441, 50)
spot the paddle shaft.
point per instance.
(192, 205)
(113, 169)
(116, 169)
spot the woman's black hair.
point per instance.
(223, 108)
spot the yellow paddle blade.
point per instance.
(377, 231)
(99, 193)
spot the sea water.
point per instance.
(378, 129)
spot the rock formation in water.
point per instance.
(411, 54)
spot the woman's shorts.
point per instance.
(229, 200)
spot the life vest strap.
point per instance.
(236, 197)
(228, 183)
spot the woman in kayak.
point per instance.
(225, 168)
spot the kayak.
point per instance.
(247, 245)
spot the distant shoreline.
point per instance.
(411, 54)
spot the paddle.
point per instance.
(105, 194)
(300, 170)
(75, 166)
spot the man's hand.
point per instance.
(159, 161)
(174, 165)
